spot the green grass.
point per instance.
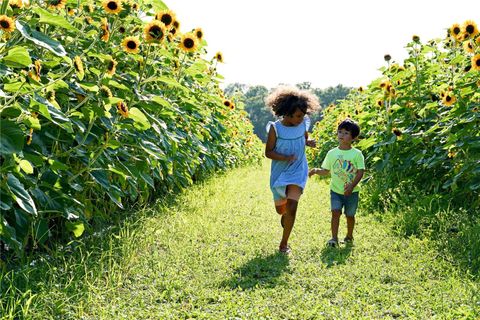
(212, 253)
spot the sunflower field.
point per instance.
(420, 122)
(104, 105)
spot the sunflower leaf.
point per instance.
(40, 39)
(17, 57)
(52, 19)
(12, 137)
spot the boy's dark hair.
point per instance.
(284, 101)
(351, 126)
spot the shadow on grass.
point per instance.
(259, 272)
(335, 256)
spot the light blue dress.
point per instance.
(290, 140)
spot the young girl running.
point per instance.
(287, 138)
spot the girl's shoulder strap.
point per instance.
(272, 124)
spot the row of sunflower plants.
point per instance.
(419, 120)
(104, 105)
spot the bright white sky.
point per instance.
(325, 42)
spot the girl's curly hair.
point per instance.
(284, 101)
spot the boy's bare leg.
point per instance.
(350, 226)
(335, 222)
(288, 221)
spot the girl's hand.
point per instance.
(291, 158)
(311, 143)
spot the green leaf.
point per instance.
(17, 57)
(21, 196)
(141, 121)
(55, 20)
(101, 177)
(12, 138)
(26, 166)
(76, 227)
(40, 39)
(52, 113)
(158, 5)
(32, 122)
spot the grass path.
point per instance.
(213, 254)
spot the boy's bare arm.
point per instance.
(319, 171)
(350, 186)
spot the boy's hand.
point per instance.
(347, 189)
(312, 172)
(311, 143)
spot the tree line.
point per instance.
(253, 99)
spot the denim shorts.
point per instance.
(339, 201)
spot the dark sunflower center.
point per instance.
(448, 98)
(110, 65)
(112, 5)
(199, 34)
(477, 62)
(5, 24)
(121, 30)
(227, 103)
(456, 30)
(55, 2)
(166, 19)
(188, 43)
(470, 29)
(156, 32)
(131, 44)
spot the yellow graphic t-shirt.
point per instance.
(343, 166)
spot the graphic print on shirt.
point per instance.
(344, 169)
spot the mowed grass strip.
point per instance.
(212, 253)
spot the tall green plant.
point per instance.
(101, 110)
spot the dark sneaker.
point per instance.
(332, 242)
(348, 240)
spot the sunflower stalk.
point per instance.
(145, 62)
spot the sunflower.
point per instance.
(469, 29)
(112, 6)
(111, 67)
(165, 16)
(387, 57)
(380, 103)
(449, 99)
(89, 7)
(154, 31)
(131, 44)
(106, 30)
(397, 132)
(219, 56)
(88, 20)
(188, 43)
(37, 66)
(71, 11)
(468, 47)
(415, 38)
(135, 6)
(6, 23)
(455, 31)
(30, 136)
(122, 29)
(122, 109)
(78, 64)
(360, 89)
(106, 92)
(56, 4)
(476, 62)
(176, 24)
(198, 33)
(16, 4)
(227, 103)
